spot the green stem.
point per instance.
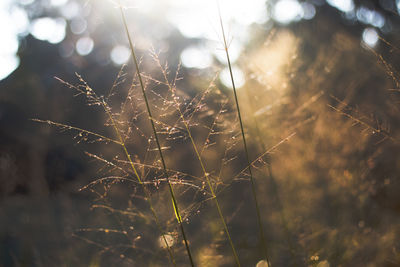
(206, 175)
(174, 201)
(252, 182)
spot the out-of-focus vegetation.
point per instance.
(318, 88)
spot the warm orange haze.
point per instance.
(199, 133)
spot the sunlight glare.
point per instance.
(199, 19)
(269, 63)
(286, 11)
(246, 13)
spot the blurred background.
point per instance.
(325, 73)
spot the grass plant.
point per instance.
(171, 190)
(96, 100)
(199, 159)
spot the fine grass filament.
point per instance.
(171, 190)
(203, 167)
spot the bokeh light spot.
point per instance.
(262, 263)
(286, 11)
(20, 20)
(308, 10)
(9, 45)
(8, 64)
(120, 54)
(199, 19)
(371, 17)
(78, 25)
(235, 49)
(58, 2)
(238, 76)
(26, 2)
(70, 10)
(342, 5)
(195, 57)
(49, 29)
(169, 238)
(14, 22)
(370, 37)
(398, 6)
(84, 46)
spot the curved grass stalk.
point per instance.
(199, 158)
(252, 182)
(171, 190)
(80, 130)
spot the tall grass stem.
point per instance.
(203, 167)
(252, 182)
(174, 201)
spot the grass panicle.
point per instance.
(171, 190)
(83, 134)
(200, 159)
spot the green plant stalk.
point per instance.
(206, 175)
(252, 182)
(147, 193)
(174, 201)
(221, 216)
